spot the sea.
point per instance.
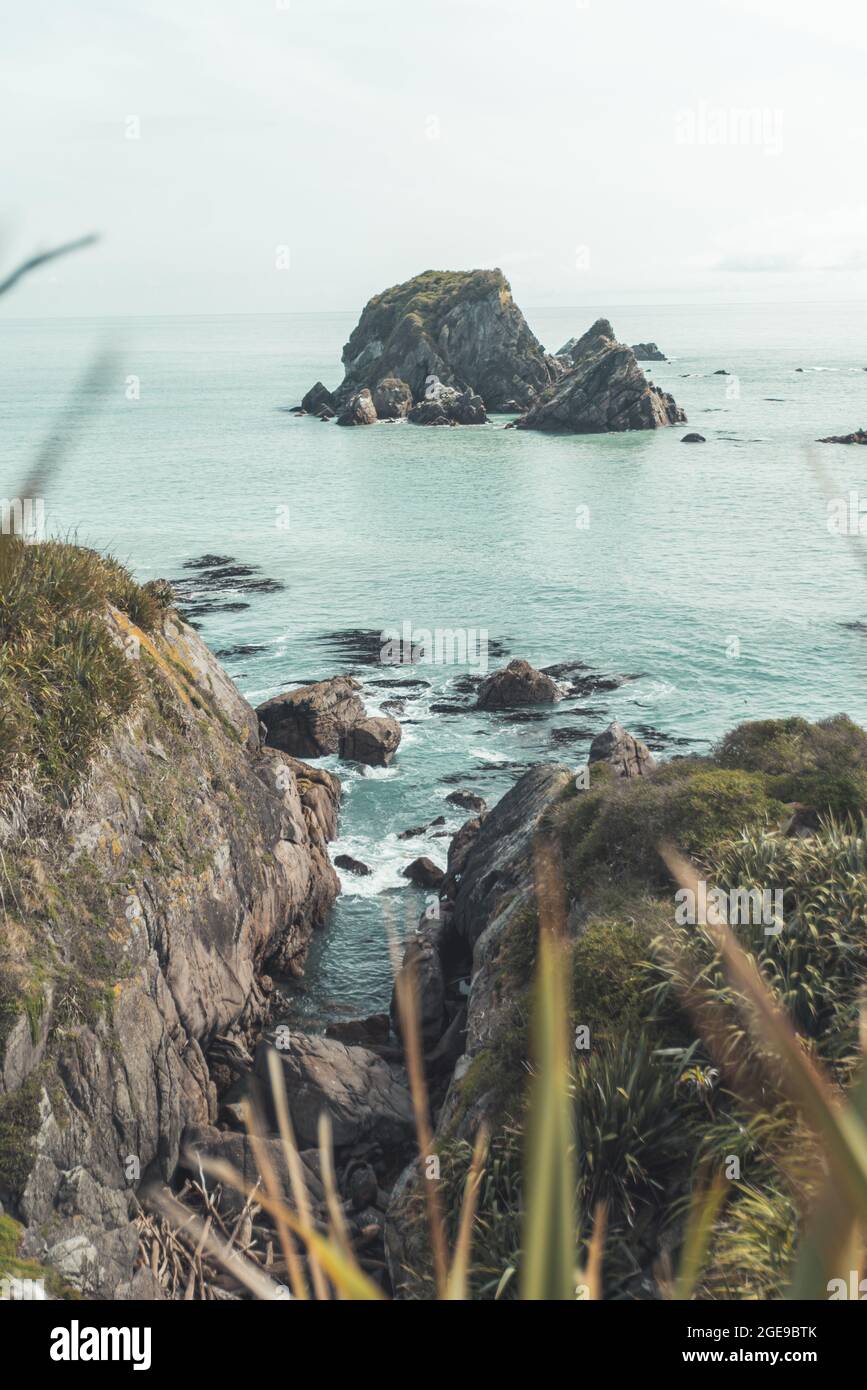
(725, 579)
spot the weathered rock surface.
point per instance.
(443, 405)
(373, 740)
(461, 326)
(605, 390)
(318, 398)
(519, 683)
(628, 756)
(361, 1094)
(189, 858)
(392, 399)
(359, 410)
(422, 963)
(311, 721)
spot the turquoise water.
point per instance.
(687, 548)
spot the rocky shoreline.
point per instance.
(203, 835)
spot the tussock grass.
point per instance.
(64, 679)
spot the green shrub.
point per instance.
(694, 806)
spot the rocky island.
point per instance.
(448, 347)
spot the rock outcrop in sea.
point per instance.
(604, 390)
(327, 717)
(648, 352)
(857, 437)
(459, 329)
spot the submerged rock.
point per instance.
(628, 756)
(518, 684)
(311, 722)
(603, 391)
(460, 326)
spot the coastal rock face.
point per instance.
(422, 962)
(373, 740)
(359, 410)
(460, 326)
(359, 1092)
(518, 684)
(318, 398)
(628, 756)
(188, 859)
(392, 399)
(311, 722)
(603, 391)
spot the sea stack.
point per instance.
(603, 390)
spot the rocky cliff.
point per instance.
(138, 918)
(603, 390)
(462, 327)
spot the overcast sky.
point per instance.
(274, 155)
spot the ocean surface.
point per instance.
(708, 573)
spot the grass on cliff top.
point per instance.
(64, 680)
(428, 296)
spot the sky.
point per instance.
(261, 156)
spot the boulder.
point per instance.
(318, 398)
(518, 684)
(359, 1092)
(424, 872)
(373, 740)
(461, 326)
(351, 866)
(628, 756)
(310, 722)
(392, 399)
(604, 391)
(359, 410)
